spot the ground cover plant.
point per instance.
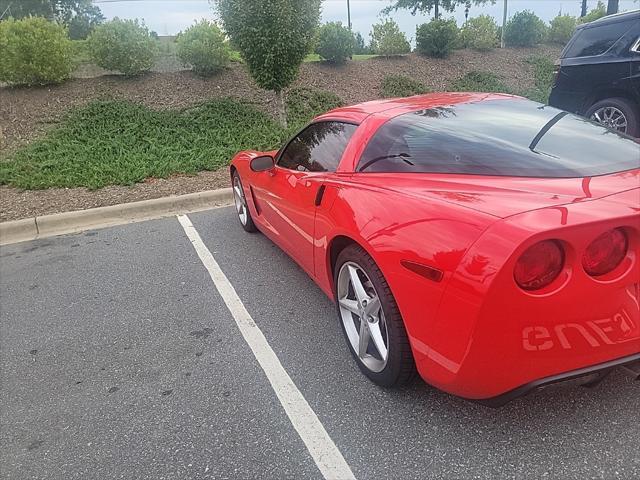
(116, 142)
(476, 81)
(401, 86)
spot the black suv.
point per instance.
(599, 73)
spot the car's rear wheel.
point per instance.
(616, 113)
(240, 201)
(370, 319)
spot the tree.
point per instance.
(359, 47)
(612, 6)
(583, 8)
(25, 8)
(598, 12)
(273, 37)
(387, 39)
(425, 6)
(80, 16)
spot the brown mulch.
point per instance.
(26, 113)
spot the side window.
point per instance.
(597, 40)
(318, 148)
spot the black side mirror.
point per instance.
(262, 163)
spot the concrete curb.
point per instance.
(71, 222)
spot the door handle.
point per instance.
(319, 195)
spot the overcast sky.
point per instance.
(168, 17)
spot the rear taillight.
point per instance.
(539, 265)
(605, 253)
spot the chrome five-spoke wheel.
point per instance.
(240, 202)
(362, 316)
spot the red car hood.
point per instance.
(506, 196)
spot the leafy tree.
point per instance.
(425, 6)
(524, 29)
(436, 38)
(562, 28)
(480, 33)
(273, 37)
(387, 39)
(598, 12)
(359, 47)
(335, 42)
(80, 16)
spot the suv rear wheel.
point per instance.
(616, 113)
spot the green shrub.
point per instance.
(475, 81)
(480, 33)
(401, 86)
(387, 39)
(203, 47)
(543, 73)
(562, 28)
(123, 46)
(305, 103)
(120, 143)
(598, 12)
(524, 29)
(34, 51)
(436, 38)
(334, 43)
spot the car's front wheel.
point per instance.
(616, 113)
(370, 319)
(240, 201)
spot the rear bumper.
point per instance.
(584, 376)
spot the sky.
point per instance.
(168, 17)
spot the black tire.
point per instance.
(248, 224)
(400, 368)
(628, 109)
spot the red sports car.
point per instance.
(489, 242)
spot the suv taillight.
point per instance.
(539, 265)
(556, 73)
(605, 253)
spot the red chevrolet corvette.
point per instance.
(487, 242)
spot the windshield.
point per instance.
(498, 137)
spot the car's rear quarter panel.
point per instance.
(506, 337)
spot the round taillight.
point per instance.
(539, 265)
(605, 253)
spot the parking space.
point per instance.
(120, 359)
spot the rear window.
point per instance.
(498, 137)
(597, 40)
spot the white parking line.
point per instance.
(328, 458)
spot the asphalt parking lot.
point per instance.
(120, 359)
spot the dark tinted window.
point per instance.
(597, 40)
(498, 137)
(318, 148)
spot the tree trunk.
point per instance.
(612, 7)
(437, 9)
(583, 12)
(282, 112)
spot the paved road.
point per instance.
(120, 360)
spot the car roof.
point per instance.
(609, 19)
(396, 106)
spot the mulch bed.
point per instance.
(26, 113)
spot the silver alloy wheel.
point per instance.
(239, 200)
(362, 316)
(611, 117)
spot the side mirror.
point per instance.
(262, 163)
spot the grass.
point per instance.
(117, 142)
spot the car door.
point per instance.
(287, 196)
